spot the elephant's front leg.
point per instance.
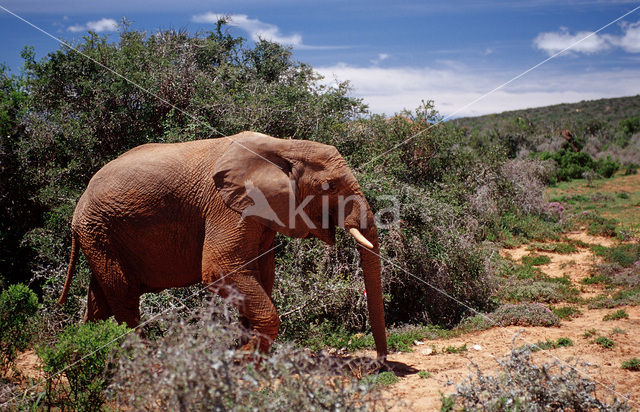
(239, 268)
(266, 271)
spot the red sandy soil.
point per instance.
(420, 394)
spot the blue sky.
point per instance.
(395, 54)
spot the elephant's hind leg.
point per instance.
(115, 290)
(97, 305)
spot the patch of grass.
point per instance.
(566, 312)
(589, 333)
(399, 339)
(632, 364)
(455, 349)
(598, 225)
(550, 290)
(535, 260)
(619, 314)
(561, 248)
(380, 379)
(595, 278)
(619, 331)
(623, 297)
(604, 342)
(625, 254)
(424, 374)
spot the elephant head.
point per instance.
(303, 189)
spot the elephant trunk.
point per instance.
(370, 261)
(360, 217)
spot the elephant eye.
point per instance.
(330, 186)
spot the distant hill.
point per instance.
(604, 127)
(561, 115)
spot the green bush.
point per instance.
(83, 354)
(573, 165)
(18, 307)
(535, 260)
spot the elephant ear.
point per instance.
(255, 179)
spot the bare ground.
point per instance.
(423, 394)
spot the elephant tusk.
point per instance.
(359, 237)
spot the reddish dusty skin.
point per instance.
(170, 215)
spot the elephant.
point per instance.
(167, 215)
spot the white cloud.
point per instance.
(630, 39)
(381, 57)
(583, 42)
(588, 42)
(389, 90)
(99, 26)
(256, 28)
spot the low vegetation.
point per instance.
(523, 384)
(193, 368)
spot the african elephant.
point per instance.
(172, 215)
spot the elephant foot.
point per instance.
(256, 342)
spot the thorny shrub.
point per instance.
(524, 385)
(194, 367)
(524, 314)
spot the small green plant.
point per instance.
(18, 305)
(455, 349)
(604, 342)
(81, 355)
(535, 260)
(540, 345)
(589, 333)
(619, 314)
(548, 344)
(563, 342)
(424, 374)
(632, 364)
(380, 379)
(619, 331)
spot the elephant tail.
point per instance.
(72, 266)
